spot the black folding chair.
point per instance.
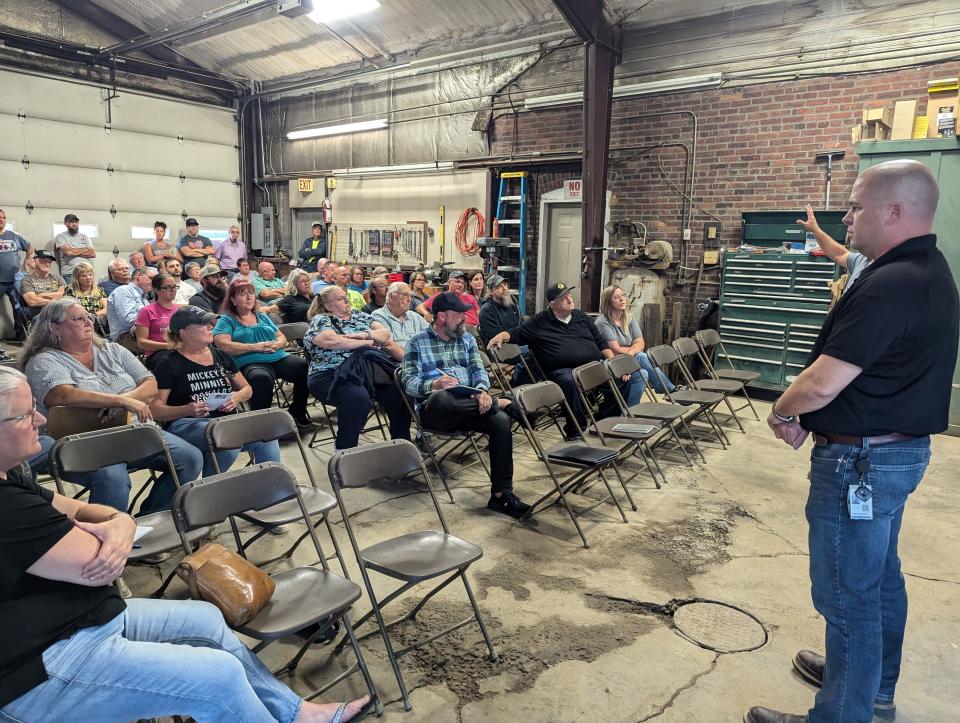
(709, 340)
(306, 597)
(411, 558)
(687, 348)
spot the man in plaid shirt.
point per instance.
(442, 366)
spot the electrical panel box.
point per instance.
(262, 232)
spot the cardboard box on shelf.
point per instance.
(943, 103)
(904, 112)
(881, 113)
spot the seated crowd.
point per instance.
(192, 334)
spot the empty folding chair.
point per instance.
(708, 340)
(584, 459)
(308, 597)
(90, 451)
(411, 558)
(264, 425)
(613, 431)
(505, 358)
(701, 403)
(687, 348)
(449, 442)
(671, 415)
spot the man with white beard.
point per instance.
(499, 310)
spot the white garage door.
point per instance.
(58, 126)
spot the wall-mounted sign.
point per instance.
(573, 189)
(305, 185)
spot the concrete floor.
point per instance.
(586, 635)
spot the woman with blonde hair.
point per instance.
(623, 336)
(83, 287)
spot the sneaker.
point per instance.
(156, 558)
(278, 530)
(508, 504)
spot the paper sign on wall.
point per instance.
(573, 189)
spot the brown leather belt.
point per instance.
(822, 438)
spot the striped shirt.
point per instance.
(427, 353)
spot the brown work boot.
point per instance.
(759, 714)
(810, 666)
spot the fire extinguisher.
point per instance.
(326, 208)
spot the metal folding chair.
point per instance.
(264, 425)
(672, 415)
(700, 403)
(708, 340)
(583, 458)
(593, 377)
(412, 558)
(507, 356)
(305, 596)
(89, 451)
(687, 348)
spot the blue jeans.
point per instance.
(157, 658)
(638, 382)
(855, 574)
(193, 430)
(660, 381)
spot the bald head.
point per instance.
(890, 203)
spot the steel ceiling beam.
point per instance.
(602, 54)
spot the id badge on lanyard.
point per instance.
(860, 496)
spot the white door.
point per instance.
(563, 248)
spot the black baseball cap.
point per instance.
(558, 290)
(71, 217)
(449, 301)
(44, 254)
(192, 222)
(189, 315)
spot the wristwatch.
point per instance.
(785, 420)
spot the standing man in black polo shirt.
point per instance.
(562, 338)
(876, 386)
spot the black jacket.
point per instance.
(557, 345)
(364, 368)
(495, 318)
(206, 302)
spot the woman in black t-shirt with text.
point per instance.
(197, 382)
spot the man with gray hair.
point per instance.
(230, 251)
(396, 316)
(876, 386)
(118, 274)
(124, 303)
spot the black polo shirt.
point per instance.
(557, 345)
(899, 323)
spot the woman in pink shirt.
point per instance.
(153, 319)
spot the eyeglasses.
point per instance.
(80, 319)
(170, 288)
(21, 417)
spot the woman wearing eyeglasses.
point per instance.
(67, 364)
(153, 320)
(85, 290)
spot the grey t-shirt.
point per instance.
(11, 244)
(32, 283)
(79, 241)
(115, 371)
(611, 332)
(856, 263)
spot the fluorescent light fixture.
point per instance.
(391, 170)
(670, 85)
(326, 11)
(338, 130)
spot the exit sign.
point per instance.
(305, 185)
(573, 189)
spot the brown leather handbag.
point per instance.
(221, 577)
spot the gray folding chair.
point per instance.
(306, 597)
(709, 340)
(450, 442)
(264, 425)
(412, 558)
(509, 355)
(671, 415)
(687, 348)
(89, 451)
(593, 377)
(701, 403)
(583, 458)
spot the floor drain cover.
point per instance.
(719, 627)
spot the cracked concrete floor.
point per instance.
(586, 634)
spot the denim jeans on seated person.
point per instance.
(158, 658)
(193, 430)
(855, 574)
(660, 382)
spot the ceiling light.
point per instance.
(670, 85)
(338, 130)
(326, 11)
(389, 170)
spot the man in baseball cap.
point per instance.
(456, 281)
(313, 249)
(73, 246)
(562, 338)
(498, 312)
(442, 366)
(213, 287)
(192, 246)
(41, 286)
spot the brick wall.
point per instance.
(755, 151)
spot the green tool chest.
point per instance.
(772, 305)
